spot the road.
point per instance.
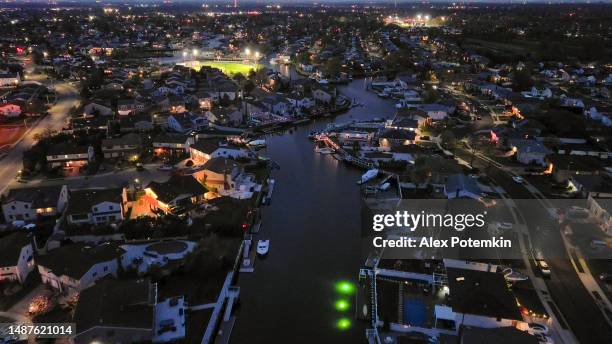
(67, 98)
(566, 289)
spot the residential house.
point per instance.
(9, 79)
(28, 204)
(600, 209)
(300, 101)
(435, 111)
(128, 311)
(324, 94)
(389, 138)
(126, 147)
(203, 150)
(221, 173)
(186, 122)
(96, 206)
(177, 193)
(231, 116)
(529, 151)
(563, 166)
(75, 267)
(95, 109)
(277, 104)
(128, 106)
(205, 99)
(69, 155)
(176, 104)
(461, 186)
(16, 256)
(170, 144)
(597, 186)
(138, 122)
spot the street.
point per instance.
(574, 302)
(67, 98)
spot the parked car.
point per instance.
(165, 168)
(139, 167)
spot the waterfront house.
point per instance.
(70, 156)
(16, 256)
(221, 173)
(389, 138)
(126, 147)
(175, 193)
(205, 149)
(96, 206)
(75, 267)
(122, 311)
(28, 204)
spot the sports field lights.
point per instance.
(345, 287)
(342, 305)
(343, 324)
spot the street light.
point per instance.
(247, 51)
(256, 54)
(195, 52)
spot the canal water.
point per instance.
(313, 224)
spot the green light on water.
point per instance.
(342, 305)
(344, 287)
(343, 324)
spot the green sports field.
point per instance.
(231, 68)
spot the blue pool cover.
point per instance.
(414, 312)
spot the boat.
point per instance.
(368, 176)
(383, 94)
(262, 247)
(324, 150)
(257, 143)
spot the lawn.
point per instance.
(230, 68)
(9, 134)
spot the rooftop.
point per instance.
(481, 293)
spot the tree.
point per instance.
(332, 67)
(448, 139)
(522, 80)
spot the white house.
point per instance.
(27, 204)
(203, 150)
(96, 206)
(75, 267)
(16, 256)
(9, 79)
